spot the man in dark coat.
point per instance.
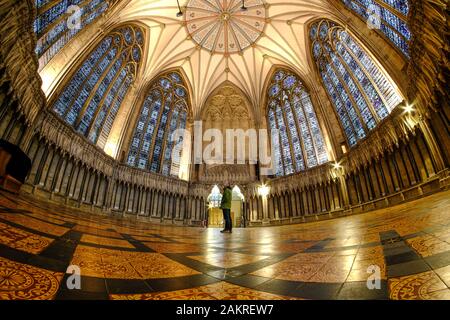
(226, 208)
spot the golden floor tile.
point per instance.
(370, 253)
(315, 257)
(23, 282)
(330, 273)
(216, 291)
(106, 241)
(35, 224)
(227, 259)
(291, 271)
(173, 247)
(428, 245)
(117, 264)
(97, 232)
(23, 240)
(422, 286)
(444, 274)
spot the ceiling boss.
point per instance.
(225, 26)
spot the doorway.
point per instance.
(215, 215)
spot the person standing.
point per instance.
(225, 205)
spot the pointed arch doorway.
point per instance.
(215, 215)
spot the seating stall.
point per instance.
(15, 166)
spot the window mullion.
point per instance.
(91, 71)
(344, 108)
(288, 132)
(97, 111)
(350, 95)
(280, 144)
(309, 127)
(165, 138)
(64, 33)
(155, 132)
(358, 84)
(96, 87)
(299, 133)
(59, 19)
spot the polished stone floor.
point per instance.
(407, 245)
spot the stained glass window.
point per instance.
(388, 16)
(92, 96)
(57, 22)
(291, 113)
(215, 198)
(359, 90)
(164, 110)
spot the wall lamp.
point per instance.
(408, 108)
(263, 190)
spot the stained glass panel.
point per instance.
(290, 112)
(359, 90)
(57, 22)
(163, 111)
(388, 16)
(92, 96)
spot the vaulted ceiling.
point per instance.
(283, 41)
(212, 42)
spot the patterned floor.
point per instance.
(400, 253)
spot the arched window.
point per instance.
(215, 197)
(388, 16)
(91, 98)
(290, 111)
(361, 93)
(57, 22)
(164, 110)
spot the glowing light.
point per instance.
(337, 165)
(110, 148)
(264, 190)
(408, 108)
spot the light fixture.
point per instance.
(243, 8)
(263, 190)
(337, 165)
(408, 108)
(179, 13)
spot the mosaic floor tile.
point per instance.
(422, 286)
(227, 259)
(106, 241)
(216, 291)
(428, 245)
(35, 224)
(23, 282)
(277, 259)
(23, 240)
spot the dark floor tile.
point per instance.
(218, 274)
(179, 283)
(401, 249)
(402, 257)
(407, 268)
(248, 281)
(281, 287)
(439, 260)
(14, 254)
(48, 263)
(88, 284)
(360, 291)
(80, 295)
(121, 286)
(318, 291)
(390, 234)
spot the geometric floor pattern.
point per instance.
(402, 252)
